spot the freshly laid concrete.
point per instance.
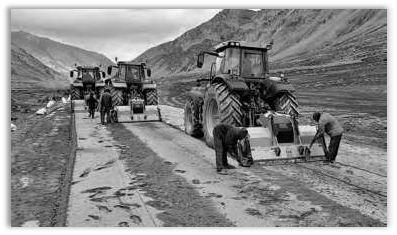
(100, 194)
(290, 195)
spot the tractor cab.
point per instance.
(87, 74)
(130, 72)
(238, 58)
(86, 80)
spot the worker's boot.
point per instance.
(227, 166)
(221, 171)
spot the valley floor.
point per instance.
(153, 174)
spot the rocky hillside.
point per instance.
(58, 56)
(29, 72)
(301, 38)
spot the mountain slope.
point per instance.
(58, 56)
(301, 37)
(29, 72)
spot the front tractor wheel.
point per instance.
(287, 103)
(192, 119)
(221, 105)
(117, 95)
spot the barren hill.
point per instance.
(302, 37)
(29, 72)
(58, 56)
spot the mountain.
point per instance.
(58, 56)
(29, 72)
(302, 37)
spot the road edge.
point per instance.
(62, 209)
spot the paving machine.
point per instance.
(239, 91)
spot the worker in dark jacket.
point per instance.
(227, 139)
(328, 124)
(92, 104)
(105, 105)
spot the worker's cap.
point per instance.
(316, 116)
(242, 133)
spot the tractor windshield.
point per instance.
(253, 64)
(232, 61)
(130, 73)
(86, 74)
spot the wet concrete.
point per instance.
(100, 194)
(252, 197)
(257, 196)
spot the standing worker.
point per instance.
(105, 105)
(226, 140)
(92, 104)
(328, 124)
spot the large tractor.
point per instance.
(86, 80)
(132, 92)
(128, 82)
(239, 91)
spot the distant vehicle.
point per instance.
(130, 86)
(130, 81)
(86, 80)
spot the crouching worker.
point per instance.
(232, 140)
(328, 124)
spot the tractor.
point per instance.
(240, 91)
(86, 80)
(128, 82)
(130, 87)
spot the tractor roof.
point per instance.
(230, 43)
(87, 67)
(130, 63)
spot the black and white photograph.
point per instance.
(207, 117)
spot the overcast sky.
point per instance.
(124, 33)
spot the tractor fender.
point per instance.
(99, 85)
(77, 84)
(119, 85)
(194, 95)
(233, 83)
(276, 88)
(148, 86)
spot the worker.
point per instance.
(92, 104)
(231, 140)
(328, 124)
(105, 105)
(86, 97)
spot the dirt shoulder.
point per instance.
(40, 161)
(180, 203)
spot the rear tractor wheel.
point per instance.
(76, 93)
(117, 96)
(287, 103)
(192, 123)
(221, 105)
(151, 97)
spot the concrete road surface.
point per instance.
(152, 174)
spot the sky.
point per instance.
(125, 33)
